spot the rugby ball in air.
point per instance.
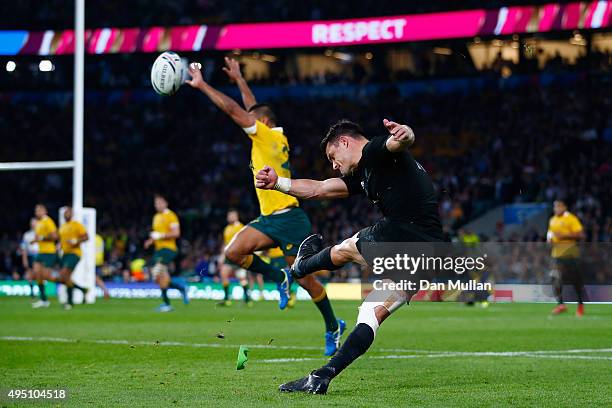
(168, 73)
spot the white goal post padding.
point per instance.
(85, 272)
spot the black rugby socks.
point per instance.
(357, 343)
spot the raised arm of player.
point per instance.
(240, 116)
(232, 69)
(305, 189)
(402, 137)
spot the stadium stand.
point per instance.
(460, 140)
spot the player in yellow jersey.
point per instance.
(71, 235)
(99, 264)
(46, 237)
(276, 258)
(282, 222)
(257, 279)
(227, 267)
(564, 231)
(166, 230)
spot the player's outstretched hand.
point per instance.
(232, 69)
(196, 75)
(266, 178)
(400, 133)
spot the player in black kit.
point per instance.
(383, 170)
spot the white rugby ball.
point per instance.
(167, 74)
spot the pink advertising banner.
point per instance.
(420, 27)
(375, 30)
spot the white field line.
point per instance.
(498, 354)
(559, 354)
(489, 353)
(449, 355)
(155, 343)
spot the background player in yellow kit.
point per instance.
(166, 230)
(276, 258)
(282, 222)
(227, 267)
(99, 264)
(71, 235)
(564, 231)
(46, 237)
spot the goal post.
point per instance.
(85, 272)
(43, 165)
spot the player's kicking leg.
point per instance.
(373, 311)
(334, 328)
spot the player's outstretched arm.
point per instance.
(240, 116)
(402, 137)
(305, 189)
(232, 69)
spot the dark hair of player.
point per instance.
(263, 109)
(159, 195)
(343, 127)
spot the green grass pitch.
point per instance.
(122, 353)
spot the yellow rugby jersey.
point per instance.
(163, 222)
(270, 147)
(44, 227)
(230, 230)
(567, 223)
(270, 254)
(99, 250)
(69, 231)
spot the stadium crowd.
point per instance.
(108, 71)
(529, 143)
